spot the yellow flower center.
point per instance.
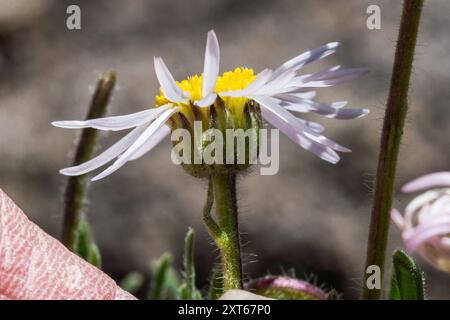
(237, 79)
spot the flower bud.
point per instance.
(286, 288)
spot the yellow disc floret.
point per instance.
(237, 79)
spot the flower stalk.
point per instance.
(75, 226)
(225, 231)
(390, 141)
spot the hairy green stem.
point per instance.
(77, 186)
(211, 225)
(226, 232)
(390, 141)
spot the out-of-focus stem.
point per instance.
(390, 141)
(76, 191)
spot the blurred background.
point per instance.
(311, 216)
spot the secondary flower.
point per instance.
(274, 94)
(425, 224)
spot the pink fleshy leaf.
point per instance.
(35, 266)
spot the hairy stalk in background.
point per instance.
(394, 120)
(76, 234)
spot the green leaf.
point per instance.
(132, 282)
(85, 245)
(188, 290)
(164, 279)
(216, 284)
(172, 284)
(407, 279)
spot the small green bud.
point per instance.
(286, 288)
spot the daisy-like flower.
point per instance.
(425, 224)
(273, 94)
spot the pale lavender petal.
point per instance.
(445, 241)
(440, 207)
(290, 128)
(114, 123)
(314, 126)
(419, 202)
(299, 126)
(289, 92)
(307, 57)
(439, 179)
(327, 79)
(335, 76)
(333, 110)
(212, 62)
(323, 73)
(170, 88)
(424, 232)
(326, 141)
(397, 218)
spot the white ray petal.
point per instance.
(140, 141)
(206, 101)
(153, 141)
(277, 84)
(106, 156)
(170, 88)
(307, 57)
(115, 123)
(212, 62)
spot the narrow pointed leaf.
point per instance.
(188, 290)
(132, 282)
(162, 275)
(215, 285)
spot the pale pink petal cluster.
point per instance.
(425, 223)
